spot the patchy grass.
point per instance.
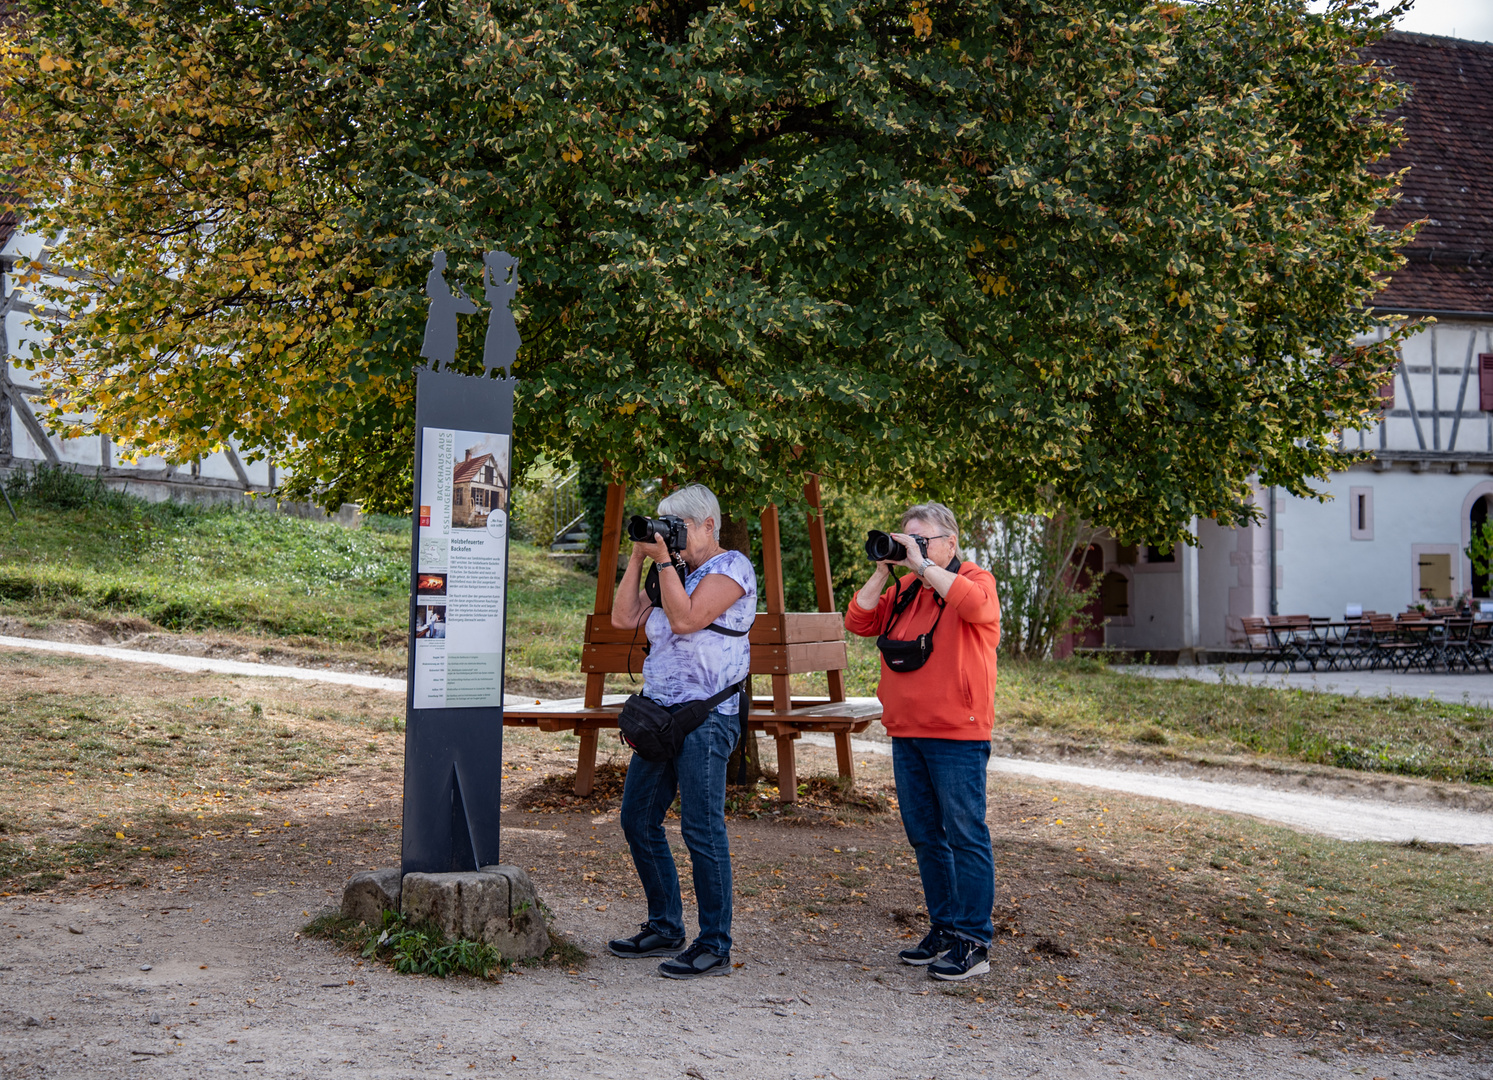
(1084, 705)
(110, 772)
(1213, 925)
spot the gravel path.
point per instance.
(178, 662)
(167, 984)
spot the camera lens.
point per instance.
(882, 548)
(640, 529)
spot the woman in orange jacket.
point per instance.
(938, 629)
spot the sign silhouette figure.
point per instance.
(445, 305)
(500, 282)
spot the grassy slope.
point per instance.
(260, 573)
(263, 573)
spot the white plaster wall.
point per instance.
(1218, 576)
(1156, 606)
(1322, 570)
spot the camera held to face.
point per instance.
(674, 530)
(882, 548)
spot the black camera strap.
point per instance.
(654, 590)
(911, 654)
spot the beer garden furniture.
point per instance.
(784, 643)
(1413, 641)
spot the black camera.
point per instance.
(674, 530)
(882, 548)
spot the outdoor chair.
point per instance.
(1480, 644)
(1455, 648)
(1259, 644)
(1298, 640)
(1387, 649)
(1416, 633)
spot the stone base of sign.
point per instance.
(496, 904)
(369, 894)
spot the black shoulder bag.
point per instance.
(908, 655)
(657, 732)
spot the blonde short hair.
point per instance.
(938, 514)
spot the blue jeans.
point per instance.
(699, 775)
(941, 793)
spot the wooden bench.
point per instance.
(784, 643)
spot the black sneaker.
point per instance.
(647, 942)
(929, 949)
(965, 960)
(695, 962)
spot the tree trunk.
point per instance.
(735, 537)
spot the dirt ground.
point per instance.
(1135, 938)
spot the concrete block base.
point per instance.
(496, 904)
(371, 893)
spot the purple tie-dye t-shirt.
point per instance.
(693, 667)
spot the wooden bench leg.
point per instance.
(843, 756)
(787, 767)
(585, 762)
(596, 684)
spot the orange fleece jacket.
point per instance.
(952, 696)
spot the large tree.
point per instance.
(1114, 257)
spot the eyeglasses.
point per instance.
(925, 539)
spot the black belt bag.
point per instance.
(657, 732)
(909, 655)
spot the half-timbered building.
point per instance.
(478, 487)
(1397, 524)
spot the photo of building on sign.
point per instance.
(479, 485)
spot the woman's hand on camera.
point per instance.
(914, 560)
(656, 549)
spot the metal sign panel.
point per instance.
(453, 745)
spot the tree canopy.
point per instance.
(1114, 257)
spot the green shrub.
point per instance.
(422, 949)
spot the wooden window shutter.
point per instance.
(1485, 382)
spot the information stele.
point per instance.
(453, 742)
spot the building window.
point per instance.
(1361, 513)
(1114, 595)
(1157, 554)
(1485, 382)
(456, 497)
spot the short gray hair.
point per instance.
(938, 514)
(696, 503)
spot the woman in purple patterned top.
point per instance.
(687, 660)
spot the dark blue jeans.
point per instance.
(699, 776)
(941, 793)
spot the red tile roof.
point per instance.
(1449, 148)
(466, 470)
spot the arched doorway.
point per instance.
(1482, 584)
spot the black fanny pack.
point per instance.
(909, 655)
(657, 732)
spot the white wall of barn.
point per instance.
(149, 477)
